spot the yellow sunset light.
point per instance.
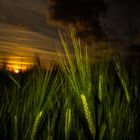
(16, 64)
(16, 70)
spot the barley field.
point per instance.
(72, 100)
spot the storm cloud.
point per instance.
(114, 20)
(83, 14)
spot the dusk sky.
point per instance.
(24, 31)
(28, 27)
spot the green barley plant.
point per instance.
(35, 126)
(77, 70)
(109, 81)
(122, 74)
(103, 129)
(75, 99)
(88, 116)
(67, 123)
(100, 85)
(15, 128)
(36, 95)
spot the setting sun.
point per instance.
(16, 70)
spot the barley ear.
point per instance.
(67, 123)
(88, 116)
(100, 84)
(103, 129)
(36, 125)
(15, 128)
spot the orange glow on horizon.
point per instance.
(20, 64)
(17, 67)
(17, 64)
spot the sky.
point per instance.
(123, 17)
(24, 31)
(28, 27)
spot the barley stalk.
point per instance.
(103, 129)
(122, 75)
(67, 123)
(88, 116)
(15, 128)
(35, 125)
(126, 91)
(100, 84)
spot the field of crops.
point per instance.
(73, 100)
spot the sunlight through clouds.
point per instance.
(21, 44)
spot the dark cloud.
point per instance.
(122, 21)
(114, 20)
(84, 14)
